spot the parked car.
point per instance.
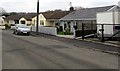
(21, 29)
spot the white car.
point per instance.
(21, 29)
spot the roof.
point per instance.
(86, 14)
(27, 16)
(47, 15)
(14, 17)
(55, 14)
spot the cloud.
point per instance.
(30, 5)
(60, 4)
(19, 6)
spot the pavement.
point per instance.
(95, 40)
(51, 52)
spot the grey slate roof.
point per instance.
(86, 14)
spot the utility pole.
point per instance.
(37, 17)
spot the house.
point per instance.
(51, 18)
(1, 20)
(13, 19)
(2, 25)
(20, 18)
(86, 16)
(28, 19)
(110, 21)
(48, 21)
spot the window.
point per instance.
(41, 22)
(22, 22)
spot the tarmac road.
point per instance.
(29, 52)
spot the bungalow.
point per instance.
(1, 20)
(27, 19)
(86, 16)
(50, 18)
(22, 18)
(111, 21)
(13, 19)
(48, 21)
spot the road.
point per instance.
(29, 52)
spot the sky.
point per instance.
(30, 5)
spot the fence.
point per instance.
(46, 30)
(102, 31)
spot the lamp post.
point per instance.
(37, 17)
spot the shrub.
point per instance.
(59, 29)
(65, 33)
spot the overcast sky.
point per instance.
(30, 5)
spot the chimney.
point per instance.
(71, 7)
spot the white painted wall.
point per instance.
(71, 25)
(108, 18)
(46, 30)
(62, 24)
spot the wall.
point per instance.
(27, 22)
(11, 22)
(22, 19)
(1, 21)
(79, 25)
(119, 17)
(41, 17)
(1, 25)
(108, 18)
(46, 22)
(34, 21)
(46, 30)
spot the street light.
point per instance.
(37, 17)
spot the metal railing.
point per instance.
(102, 31)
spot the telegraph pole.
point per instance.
(37, 17)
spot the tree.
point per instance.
(2, 11)
(13, 13)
